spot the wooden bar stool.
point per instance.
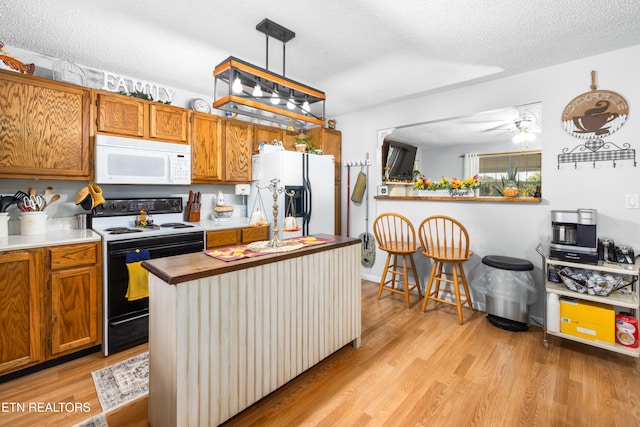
(395, 235)
(446, 241)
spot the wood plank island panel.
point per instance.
(220, 343)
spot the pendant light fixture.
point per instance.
(243, 88)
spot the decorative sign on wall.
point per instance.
(115, 83)
(592, 116)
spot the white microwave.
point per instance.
(137, 161)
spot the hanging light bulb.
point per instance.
(237, 85)
(290, 104)
(305, 106)
(257, 90)
(275, 99)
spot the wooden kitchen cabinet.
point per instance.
(74, 302)
(45, 128)
(238, 143)
(222, 238)
(20, 310)
(330, 142)
(168, 123)
(207, 149)
(50, 303)
(236, 236)
(220, 150)
(254, 234)
(266, 134)
(138, 118)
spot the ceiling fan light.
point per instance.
(519, 137)
(237, 85)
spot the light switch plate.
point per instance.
(242, 189)
(631, 201)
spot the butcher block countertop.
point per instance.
(183, 268)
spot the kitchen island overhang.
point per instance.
(222, 335)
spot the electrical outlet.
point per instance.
(242, 189)
(631, 201)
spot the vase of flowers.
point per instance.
(452, 187)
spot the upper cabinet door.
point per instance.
(265, 134)
(206, 148)
(238, 147)
(169, 123)
(44, 128)
(120, 115)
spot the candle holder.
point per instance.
(276, 189)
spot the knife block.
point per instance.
(192, 212)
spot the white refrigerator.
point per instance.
(309, 176)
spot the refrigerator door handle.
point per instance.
(307, 195)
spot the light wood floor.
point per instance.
(417, 369)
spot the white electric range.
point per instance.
(126, 323)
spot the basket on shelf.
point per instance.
(591, 282)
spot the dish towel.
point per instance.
(138, 277)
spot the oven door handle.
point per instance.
(176, 246)
(129, 319)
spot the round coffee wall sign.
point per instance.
(595, 114)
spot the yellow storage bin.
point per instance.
(587, 320)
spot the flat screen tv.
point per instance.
(400, 160)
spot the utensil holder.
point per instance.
(4, 224)
(33, 223)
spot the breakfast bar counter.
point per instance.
(224, 334)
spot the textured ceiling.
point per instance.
(361, 53)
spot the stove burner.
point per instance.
(121, 230)
(176, 225)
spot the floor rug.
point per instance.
(122, 382)
(96, 421)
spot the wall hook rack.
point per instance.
(597, 150)
(357, 163)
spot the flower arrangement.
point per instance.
(447, 183)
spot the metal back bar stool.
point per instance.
(395, 235)
(446, 241)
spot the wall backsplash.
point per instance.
(66, 207)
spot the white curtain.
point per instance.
(471, 165)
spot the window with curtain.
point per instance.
(523, 167)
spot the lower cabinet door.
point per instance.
(20, 307)
(74, 309)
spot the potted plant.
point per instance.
(301, 142)
(510, 185)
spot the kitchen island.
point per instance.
(222, 335)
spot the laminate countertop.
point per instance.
(51, 238)
(183, 268)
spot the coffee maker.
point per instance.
(574, 236)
